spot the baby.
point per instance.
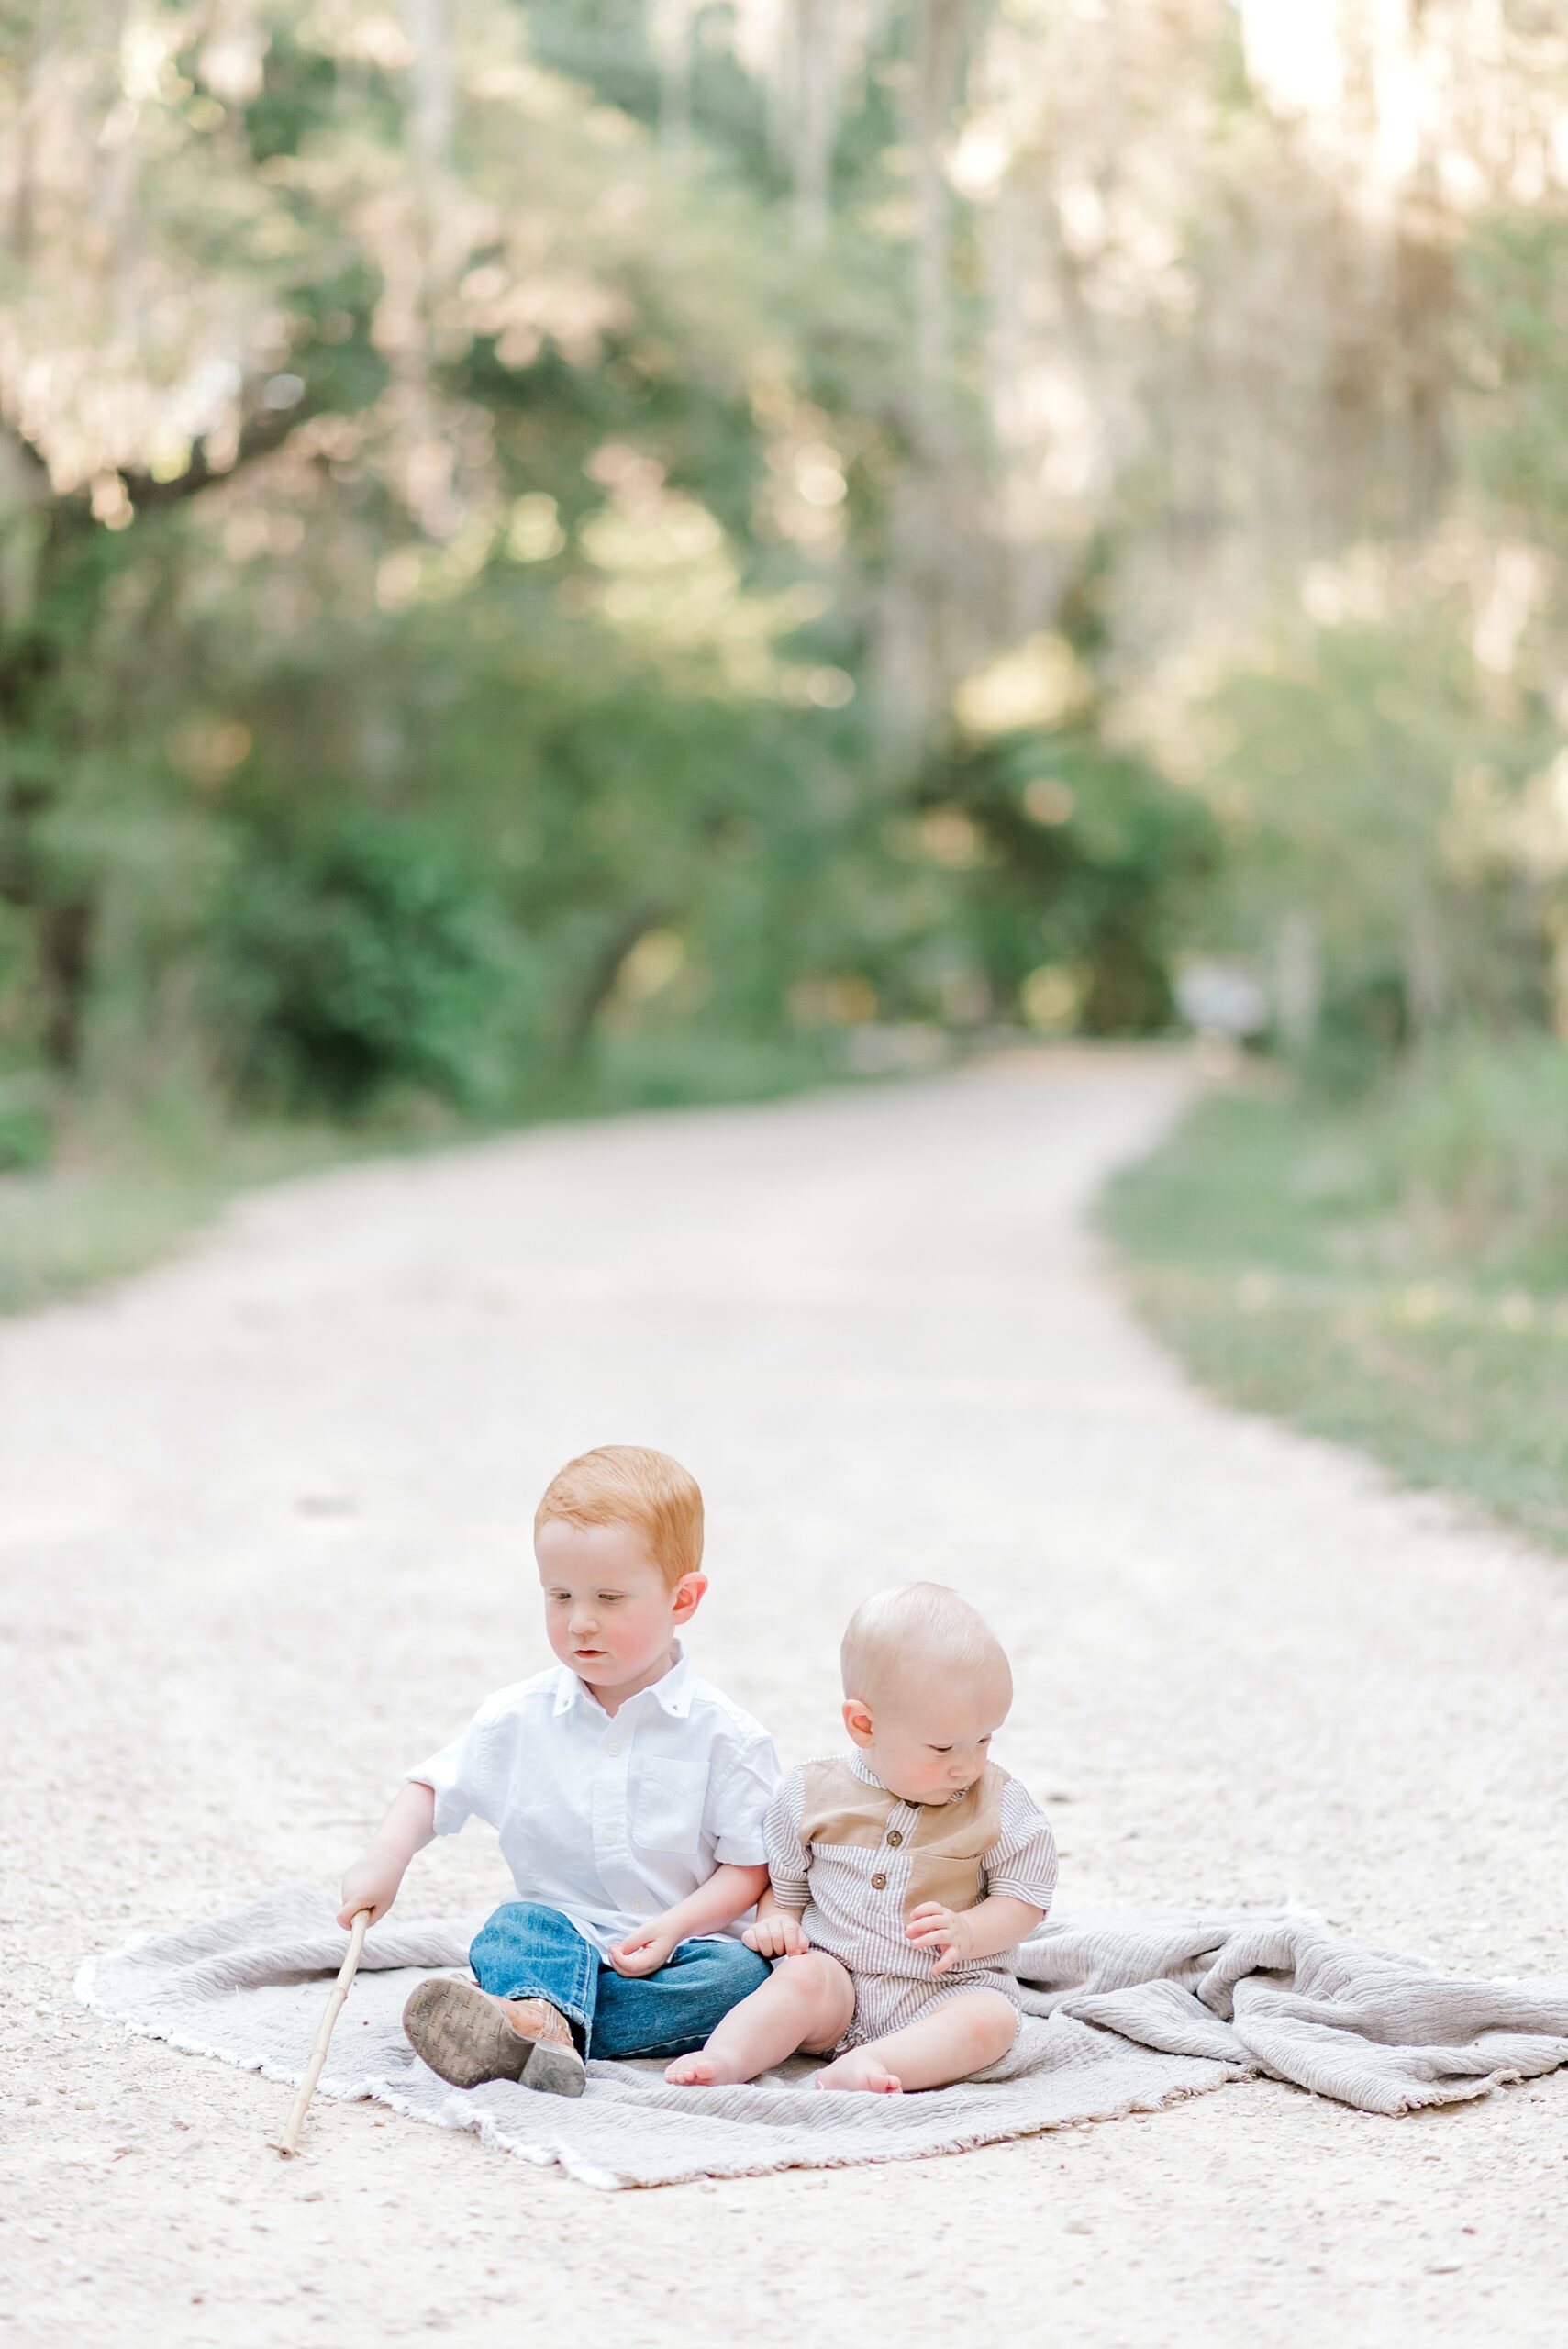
(904, 1875)
(628, 1796)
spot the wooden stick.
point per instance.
(289, 2141)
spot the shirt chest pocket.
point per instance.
(668, 1807)
(949, 1874)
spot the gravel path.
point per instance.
(263, 1525)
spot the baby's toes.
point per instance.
(858, 2071)
(690, 2072)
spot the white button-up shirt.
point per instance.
(609, 1817)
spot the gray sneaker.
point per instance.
(467, 2036)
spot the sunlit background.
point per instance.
(614, 552)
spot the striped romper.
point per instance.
(852, 1859)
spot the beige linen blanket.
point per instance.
(1125, 2014)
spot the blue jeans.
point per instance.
(525, 1952)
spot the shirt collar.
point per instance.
(672, 1695)
(868, 1776)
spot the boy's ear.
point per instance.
(858, 1721)
(687, 1597)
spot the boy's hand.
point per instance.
(370, 1883)
(644, 1950)
(937, 1928)
(779, 1934)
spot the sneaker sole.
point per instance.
(457, 2030)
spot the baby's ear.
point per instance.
(858, 1721)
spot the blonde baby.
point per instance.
(904, 1874)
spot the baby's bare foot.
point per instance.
(702, 2071)
(859, 2070)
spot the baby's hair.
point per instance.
(917, 1627)
(624, 1483)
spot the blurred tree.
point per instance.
(531, 524)
(330, 486)
(1377, 816)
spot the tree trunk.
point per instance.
(669, 32)
(431, 77)
(934, 92)
(1298, 981)
(816, 72)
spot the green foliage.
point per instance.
(1513, 350)
(127, 1190)
(1393, 1274)
(371, 957)
(25, 1136)
(1387, 778)
(424, 670)
(1375, 793)
(1457, 1162)
(1470, 1141)
(360, 766)
(1089, 861)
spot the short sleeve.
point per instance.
(1021, 1864)
(461, 1775)
(789, 1861)
(743, 1781)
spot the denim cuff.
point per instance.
(526, 1984)
(526, 1951)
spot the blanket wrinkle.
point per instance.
(1122, 2014)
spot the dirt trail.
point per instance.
(263, 1527)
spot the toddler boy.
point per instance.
(905, 1874)
(628, 1797)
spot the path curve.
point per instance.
(263, 1537)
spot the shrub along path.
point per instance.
(263, 1525)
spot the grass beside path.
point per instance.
(124, 1190)
(1262, 1243)
(122, 1196)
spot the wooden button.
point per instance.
(879, 1884)
(894, 1837)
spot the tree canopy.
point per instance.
(532, 530)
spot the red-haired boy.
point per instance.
(628, 1797)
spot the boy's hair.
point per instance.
(624, 1483)
(916, 1627)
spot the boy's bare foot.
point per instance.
(468, 2037)
(702, 2071)
(859, 2069)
